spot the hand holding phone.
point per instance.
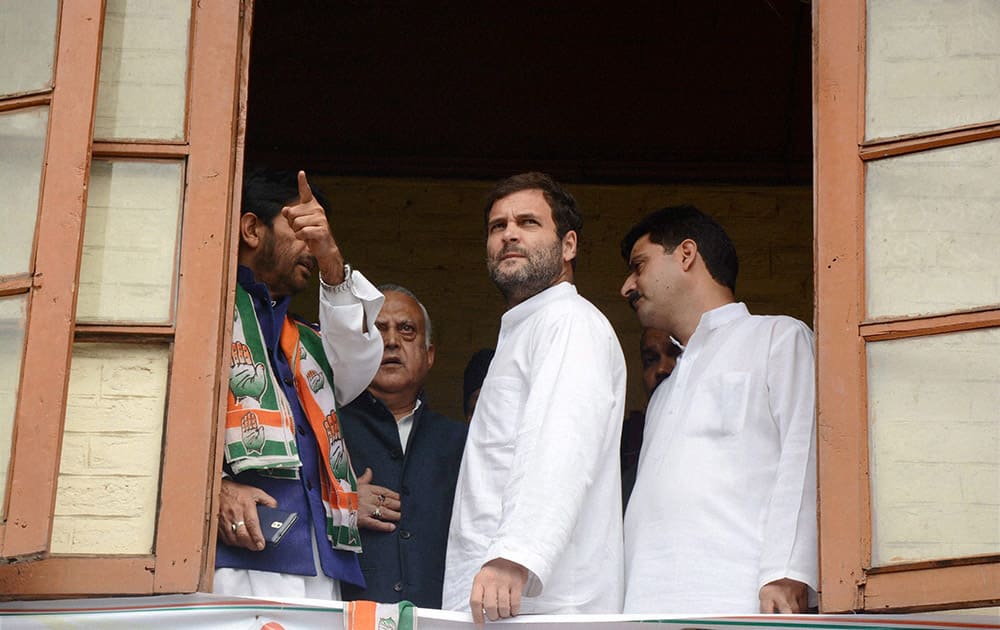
(275, 523)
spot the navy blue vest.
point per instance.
(407, 563)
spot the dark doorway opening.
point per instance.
(406, 112)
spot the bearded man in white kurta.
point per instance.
(722, 519)
(535, 507)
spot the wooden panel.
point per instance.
(189, 470)
(932, 140)
(208, 564)
(38, 428)
(11, 285)
(140, 150)
(963, 586)
(25, 101)
(83, 575)
(880, 331)
(843, 484)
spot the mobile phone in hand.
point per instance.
(275, 523)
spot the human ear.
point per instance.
(569, 246)
(250, 226)
(688, 252)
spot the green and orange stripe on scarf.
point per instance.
(260, 428)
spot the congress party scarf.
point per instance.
(368, 615)
(260, 427)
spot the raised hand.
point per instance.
(308, 220)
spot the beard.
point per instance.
(281, 281)
(541, 268)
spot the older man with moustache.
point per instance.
(536, 526)
(409, 456)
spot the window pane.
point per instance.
(934, 409)
(27, 45)
(109, 474)
(130, 242)
(931, 218)
(143, 80)
(12, 314)
(932, 64)
(22, 149)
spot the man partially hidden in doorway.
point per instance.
(658, 354)
(722, 519)
(283, 441)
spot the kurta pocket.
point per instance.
(719, 405)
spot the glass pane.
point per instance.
(143, 81)
(27, 45)
(934, 411)
(109, 475)
(931, 218)
(130, 242)
(932, 64)
(12, 314)
(22, 151)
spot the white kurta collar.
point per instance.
(513, 317)
(717, 318)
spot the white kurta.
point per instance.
(725, 495)
(540, 482)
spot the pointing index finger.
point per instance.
(305, 192)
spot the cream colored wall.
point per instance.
(931, 229)
(428, 236)
(110, 468)
(932, 64)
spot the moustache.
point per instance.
(511, 249)
(633, 297)
(309, 262)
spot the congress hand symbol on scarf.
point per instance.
(260, 432)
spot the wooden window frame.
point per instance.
(184, 543)
(848, 580)
(45, 369)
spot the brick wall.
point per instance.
(109, 473)
(428, 236)
(932, 64)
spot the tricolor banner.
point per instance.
(233, 613)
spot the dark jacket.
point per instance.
(407, 563)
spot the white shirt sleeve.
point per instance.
(790, 530)
(347, 325)
(561, 446)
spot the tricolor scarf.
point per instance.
(368, 615)
(260, 428)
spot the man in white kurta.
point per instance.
(720, 500)
(535, 508)
(722, 519)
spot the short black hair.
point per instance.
(565, 213)
(669, 226)
(266, 191)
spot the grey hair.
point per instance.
(428, 329)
